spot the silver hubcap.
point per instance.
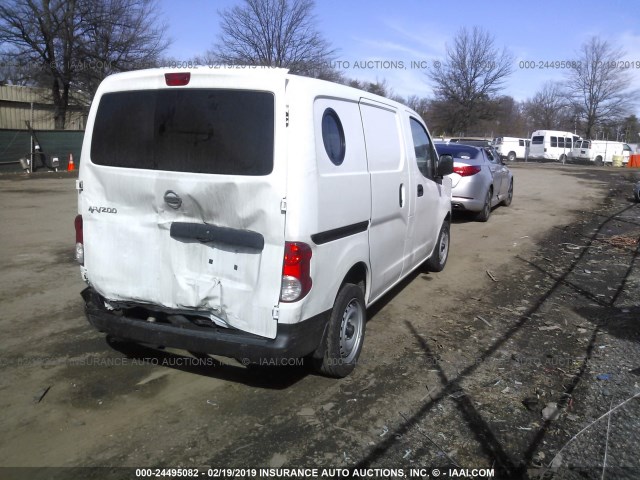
(444, 247)
(351, 330)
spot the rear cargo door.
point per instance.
(182, 198)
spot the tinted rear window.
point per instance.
(228, 132)
(458, 152)
(537, 140)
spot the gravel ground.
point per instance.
(456, 370)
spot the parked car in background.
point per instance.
(511, 148)
(551, 145)
(600, 152)
(475, 141)
(479, 181)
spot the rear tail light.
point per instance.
(79, 240)
(466, 170)
(177, 79)
(296, 269)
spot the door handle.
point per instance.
(401, 195)
(420, 190)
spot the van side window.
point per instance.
(333, 136)
(425, 156)
(554, 141)
(561, 142)
(521, 143)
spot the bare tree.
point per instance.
(419, 104)
(469, 78)
(120, 35)
(276, 33)
(549, 107)
(600, 88)
(630, 129)
(75, 43)
(13, 72)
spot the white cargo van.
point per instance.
(511, 148)
(251, 213)
(600, 152)
(551, 145)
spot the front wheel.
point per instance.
(511, 157)
(438, 258)
(345, 335)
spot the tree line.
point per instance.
(74, 44)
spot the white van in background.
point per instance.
(600, 152)
(254, 214)
(551, 145)
(511, 148)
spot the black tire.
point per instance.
(345, 334)
(484, 214)
(438, 259)
(511, 157)
(599, 161)
(563, 159)
(507, 201)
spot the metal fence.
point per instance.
(16, 144)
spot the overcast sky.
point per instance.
(407, 31)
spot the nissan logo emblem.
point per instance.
(172, 199)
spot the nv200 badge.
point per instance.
(103, 210)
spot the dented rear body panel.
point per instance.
(170, 163)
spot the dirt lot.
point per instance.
(455, 372)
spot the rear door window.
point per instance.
(537, 140)
(227, 132)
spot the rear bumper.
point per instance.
(470, 204)
(292, 340)
(470, 192)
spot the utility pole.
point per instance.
(31, 142)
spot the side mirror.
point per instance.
(445, 165)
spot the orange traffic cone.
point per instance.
(71, 166)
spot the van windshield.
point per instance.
(228, 132)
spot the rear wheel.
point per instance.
(563, 159)
(599, 161)
(511, 157)
(484, 214)
(345, 335)
(438, 259)
(507, 201)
